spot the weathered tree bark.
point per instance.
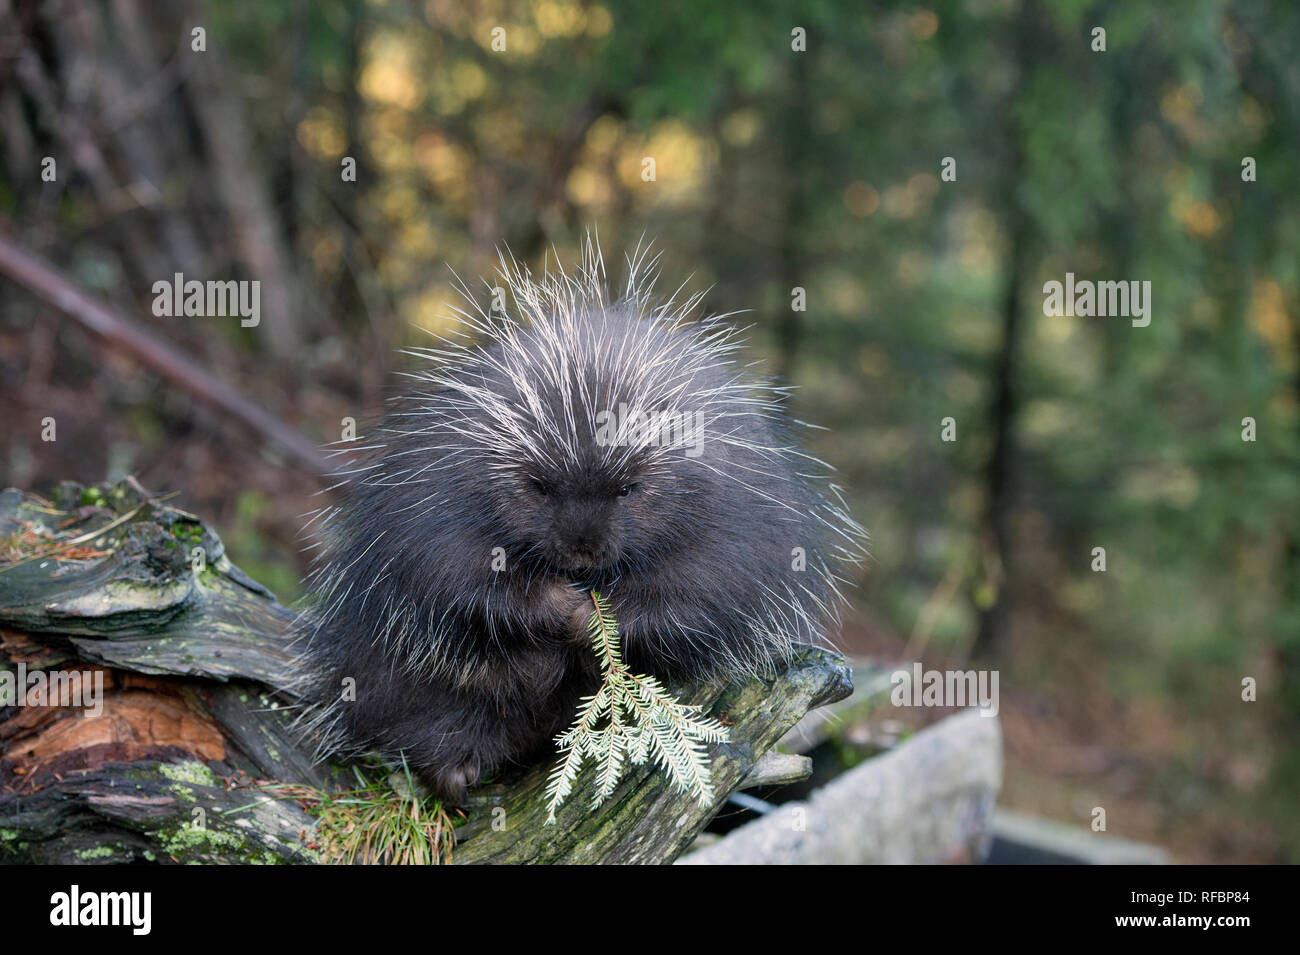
(112, 584)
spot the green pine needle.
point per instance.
(628, 721)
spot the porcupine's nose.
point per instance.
(584, 540)
(584, 550)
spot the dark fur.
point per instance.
(465, 669)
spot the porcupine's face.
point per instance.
(583, 509)
(586, 403)
(586, 522)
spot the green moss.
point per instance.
(92, 495)
(187, 531)
(195, 846)
(11, 852)
(99, 852)
(186, 840)
(191, 771)
(185, 776)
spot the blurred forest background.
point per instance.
(775, 169)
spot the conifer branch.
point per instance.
(674, 733)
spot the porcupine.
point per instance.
(587, 442)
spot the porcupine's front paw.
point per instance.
(570, 607)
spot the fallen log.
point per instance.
(175, 741)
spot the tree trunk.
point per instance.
(1000, 473)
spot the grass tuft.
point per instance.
(384, 821)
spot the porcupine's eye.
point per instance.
(626, 489)
(541, 487)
